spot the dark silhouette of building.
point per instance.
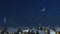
(19, 30)
(37, 32)
(29, 32)
(4, 30)
(41, 28)
(32, 32)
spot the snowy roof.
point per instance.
(52, 32)
(26, 30)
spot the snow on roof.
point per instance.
(26, 30)
(52, 32)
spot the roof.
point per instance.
(58, 29)
(25, 30)
(52, 32)
(12, 29)
(41, 32)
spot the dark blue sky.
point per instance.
(21, 12)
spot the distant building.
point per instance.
(58, 30)
(25, 31)
(12, 30)
(29, 32)
(37, 32)
(4, 30)
(32, 32)
(52, 32)
(47, 31)
(19, 31)
(41, 32)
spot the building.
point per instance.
(12, 30)
(19, 31)
(52, 32)
(4, 30)
(37, 32)
(25, 31)
(47, 30)
(41, 32)
(58, 30)
(32, 32)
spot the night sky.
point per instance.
(28, 12)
